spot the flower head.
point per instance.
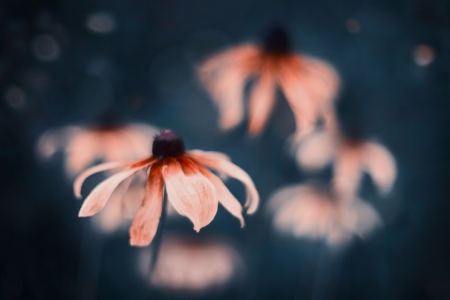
(107, 141)
(312, 212)
(192, 189)
(193, 264)
(351, 158)
(309, 85)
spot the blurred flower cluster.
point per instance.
(149, 171)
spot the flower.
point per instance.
(351, 158)
(192, 264)
(313, 212)
(191, 188)
(83, 145)
(309, 84)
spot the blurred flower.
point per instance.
(351, 158)
(423, 55)
(308, 211)
(83, 145)
(192, 264)
(191, 188)
(309, 85)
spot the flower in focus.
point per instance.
(192, 189)
(309, 84)
(312, 212)
(192, 264)
(84, 145)
(351, 158)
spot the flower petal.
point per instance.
(95, 169)
(224, 76)
(380, 164)
(226, 198)
(146, 222)
(190, 193)
(227, 167)
(82, 150)
(316, 151)
(100, 195)
(262, 99)
(347, 171)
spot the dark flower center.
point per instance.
(168, 144)
(276, 40)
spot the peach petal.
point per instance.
(347, 171)
(95, 169)
(191, 194)
(232, 170)
(224, 76)
(380, 164)
(146, 222)
(316, 151)
(101, 193)
(110, 218)
(226, 198)
(82, 150)
(262, 100)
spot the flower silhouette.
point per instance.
(313, 212)
(191, 188)
(351, 158)
(83, 145)
(309, 84)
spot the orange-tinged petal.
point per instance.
(92, 170)
(380, 164)
(262, 99)
(190, 193)
(226, 198)
(146, 222)
(101, 193)
(232, 170)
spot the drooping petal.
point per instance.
(226, 198)
(95, 169)
(213, 154)
(147, 218)
(380, 164)
(101, 193)
(304, 110)
(365, 218)
(190, 193)
(224, 76)
(227, 167)
(110, 218)
(316, 151)
(262, 99)
(81, 151)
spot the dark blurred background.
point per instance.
(57, 69)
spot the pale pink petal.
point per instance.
(147, 218)
(115, 146)
(224, 76)
(361, 218)
(262, 99)
(227, 167)
(213, 154)
(347, 170)
(110, 218)
(226, 198)
(380, 164)
(140, 137)
(191, 194)
(82, 150)
(95, 169)
(101, 193)
(316, 151)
